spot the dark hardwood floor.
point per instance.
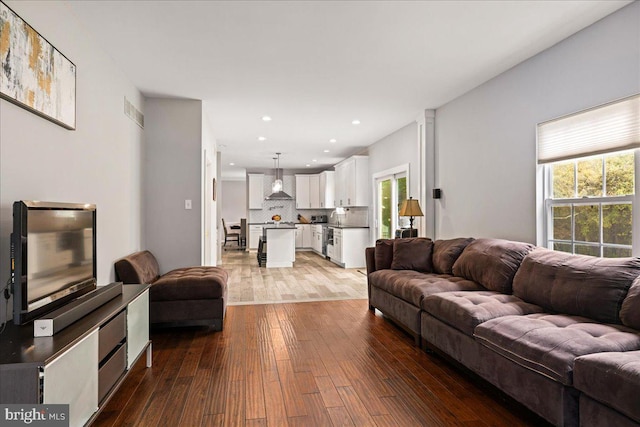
(303, 364)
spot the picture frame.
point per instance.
(33, 73)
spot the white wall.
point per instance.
(234, 201)
(398, 149)
(210, 213)
(97, 163)
(173, 174)
(486, 138)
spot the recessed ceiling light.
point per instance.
(232, 164)
(266, 118)
(262, 138)
(326, 151)
(314, 160)
(308, 165)
(355, 122)
(333, 140)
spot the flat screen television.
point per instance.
(53, 249)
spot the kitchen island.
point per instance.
(281, 244)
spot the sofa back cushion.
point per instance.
(139, 267)
(384, 254)
(446, 252)
(412, 254)
(630, 312)
(491, 262)
(576, 284)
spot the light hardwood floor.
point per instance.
(312, 278)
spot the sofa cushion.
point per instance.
(412, 286)
(466, 310)
(384, 254)
(491, 262)
(612, 378)
(576, 284)
(412, 254)
(549, 343)
(630, 311)
(446, 252)
(190, 283)
(139, 267)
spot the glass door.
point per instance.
(391, 192)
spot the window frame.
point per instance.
(548, 203)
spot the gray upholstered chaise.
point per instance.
(182, 297)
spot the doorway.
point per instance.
(391, 191)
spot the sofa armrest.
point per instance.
(139, 267)
(370, 256)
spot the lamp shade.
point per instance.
(410, 207)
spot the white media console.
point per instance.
(83, 364)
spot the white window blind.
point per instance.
(604, 129)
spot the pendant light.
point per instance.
(276, 186)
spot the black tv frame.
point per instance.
(19, 248)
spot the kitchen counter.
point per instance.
(278, 226)
(281, 244)
(348, 226)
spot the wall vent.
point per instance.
(133, 113)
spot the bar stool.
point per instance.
(262, 251)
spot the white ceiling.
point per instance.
(314, 66)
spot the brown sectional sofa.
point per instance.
(182, 297)
(558, 332)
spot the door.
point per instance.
(391, 191)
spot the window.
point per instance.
(391, 191)
(589, 187)
(590, 205)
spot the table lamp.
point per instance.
(410, 208)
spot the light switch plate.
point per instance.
(187, 204)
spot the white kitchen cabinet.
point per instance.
(298, 236)
(337, 245)
(316, 238)
(256, 190)
(303, 195)
(255, 231)
(349, 245)
(327, 190)
(314, 191)
(308, 192)
(306, 235)
(303, 236)
(352, 178)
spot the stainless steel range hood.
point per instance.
(276, 187)
(278, 195)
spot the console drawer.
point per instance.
(111, 371)
(111, 333)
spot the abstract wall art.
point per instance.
(33, 73)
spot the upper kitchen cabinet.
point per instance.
(352, 175)
(256, 190)
(303, 194)
(315, 191)
(327, 190)
(308, 191)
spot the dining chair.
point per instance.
(230, 237)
